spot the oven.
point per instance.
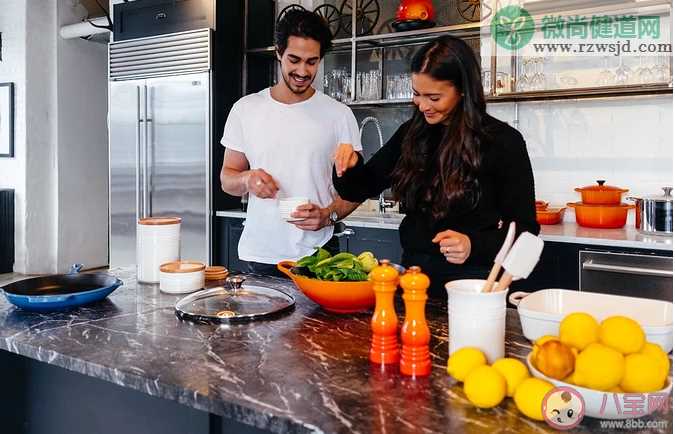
(629, 274)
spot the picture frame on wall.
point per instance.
(7, 120)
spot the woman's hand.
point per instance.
(455, 246)
(345, 158)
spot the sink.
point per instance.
(375, 217)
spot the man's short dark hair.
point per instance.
(303, 24)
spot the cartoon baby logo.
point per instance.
(563, 408)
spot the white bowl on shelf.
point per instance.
(542, 311)
(593, 398)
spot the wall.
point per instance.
(626, 141)
(82, 160)
(41, 182)
(60, 169)
(13, 69)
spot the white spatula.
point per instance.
(501, 255)
(521, 260)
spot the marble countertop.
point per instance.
(307, 371)
(567, 232)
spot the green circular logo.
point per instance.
(512, 27)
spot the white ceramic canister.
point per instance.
(475, 318)
(180, 277)
(157, 242)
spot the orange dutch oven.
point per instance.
(337, 297)
(601, 216)
(601, 194)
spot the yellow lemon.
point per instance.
(485, 387)
(555, 359)
(623, 334)
(642, 374)
(464, 360)
(542, 340)
(578, 330)
(529, 396)
(569, 379)
(655, 351)
(598, 367)
(616, 389)
(514, 372)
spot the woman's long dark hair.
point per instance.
(434, 177)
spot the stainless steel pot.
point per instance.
(654, 214)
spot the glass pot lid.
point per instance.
(234, 303)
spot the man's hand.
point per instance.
(261, 184)
(313, 217)
(455, 246)
(345, 158)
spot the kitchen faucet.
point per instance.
(383, 204)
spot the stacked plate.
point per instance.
(216, 272)
(157, 242)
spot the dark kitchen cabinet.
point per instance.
(226, 232)
(384, 243)
(6, 230)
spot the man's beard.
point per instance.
(293, 88)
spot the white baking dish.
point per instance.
(541, 312)
(593, 398)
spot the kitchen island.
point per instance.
(306, 371)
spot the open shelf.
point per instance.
(557, 94)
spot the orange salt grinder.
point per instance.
(415, 336)
(384, 344)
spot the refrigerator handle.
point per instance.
(139, 191)
(147, 209)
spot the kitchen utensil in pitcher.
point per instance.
(521, 260)
(508, 242)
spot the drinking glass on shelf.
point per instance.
(337, 84)
(538, 78)
(661, 70)
(523, 83)
(606, 76)
(623, 72)
(643, 74)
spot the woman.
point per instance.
(461, 174)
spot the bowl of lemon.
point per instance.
(610, 364)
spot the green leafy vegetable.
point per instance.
(341, 267)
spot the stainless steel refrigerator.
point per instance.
(160, 139)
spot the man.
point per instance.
(280, 142)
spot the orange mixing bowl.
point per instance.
(338, 297)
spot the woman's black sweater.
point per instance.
(506, 194)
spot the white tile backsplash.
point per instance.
(627, 141)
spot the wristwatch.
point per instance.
(333, 217)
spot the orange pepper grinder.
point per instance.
(415, 336)
(384, 344)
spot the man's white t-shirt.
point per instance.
(295, 144)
